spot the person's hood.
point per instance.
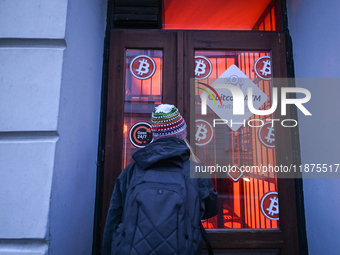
(166, 150)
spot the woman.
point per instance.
(156, 207)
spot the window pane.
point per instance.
(240, 196)
(143, 91)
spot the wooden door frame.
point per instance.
(286, 238)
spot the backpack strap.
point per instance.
(206, 240)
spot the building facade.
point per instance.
(54, 60)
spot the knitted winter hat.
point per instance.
(168, 122)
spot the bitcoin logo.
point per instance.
(270, 205)
(203, 67)
(267, 135)
(204, 132)
(200, 67)
(273, 207)
(263, 68)
(270, 135)
(201, 132)
(266, 70)
(142, 67)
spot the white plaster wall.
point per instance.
(314, 27)
(30, 86)
(33, 19)
(25, 180)
(31, 54)
(24, 247)
(74, 179)
(50, 81)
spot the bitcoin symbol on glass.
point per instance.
(270, 205)
(200, 67)
(263, 68)
(203, 67)
(270, 135)
(273, 207)
(266, 70)
(142, 67)
(267, 135)
(204, 132)
(201, 132)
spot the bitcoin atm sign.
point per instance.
(142, 67)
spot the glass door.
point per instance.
(138, 64)
(241, 147)
(257, 213)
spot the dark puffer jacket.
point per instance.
(163, 153)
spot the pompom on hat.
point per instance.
(168, 122)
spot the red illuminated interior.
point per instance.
(218, 14)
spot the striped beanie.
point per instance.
(167, 122)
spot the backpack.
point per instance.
(161, 214)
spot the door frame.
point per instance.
(286, 238)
